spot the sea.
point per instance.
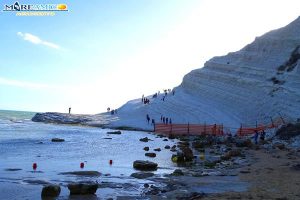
(23, 143)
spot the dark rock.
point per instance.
(13, 169)
(177, 172)
(142, 175)
(51, 191)
(114, 132)
(171, 137)
(165, 139)
(146, 148)
(57, 140)
(296, 167)
(83, 188)
(144, 165)
(107, 138)
(145, 139)
(288, 131)
(188, 154)
(243, 143)
(231, 153)
(245, 172)
(199, 144)
(146, 185)
(183, 144)
(279, 145)
(61, 118)
(150, 155)
(167, 147)
(209, 164)
(82, 173)
(157, 149)
(178, 158)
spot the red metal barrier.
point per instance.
(242, 131)
(189, 129)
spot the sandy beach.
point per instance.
(273, 174)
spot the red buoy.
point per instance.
(110, 162)
(81, 165)
(34, 166)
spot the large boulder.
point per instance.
(152, 155)
(83, 188)
(51, 191)
(57, 140)
(188, 154)
(142, 175)
(144, 165)
(145, 139)
(288, 131)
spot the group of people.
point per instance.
(148, 120)
(166, 120)
(262, 136)
(113, 111)
(145, 100)
(166, 91)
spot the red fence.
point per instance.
(188, 129)
(215, 129)
(251, 130)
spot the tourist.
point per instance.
(70, 110)
(148, 118)
(153, 122)
(255, 136)
(262, 135)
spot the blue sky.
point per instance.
(104, 53)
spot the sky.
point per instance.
(104, 53)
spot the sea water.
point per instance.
(23, 142)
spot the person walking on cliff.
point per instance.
(153, 122)
(69, 110)
(148, 118)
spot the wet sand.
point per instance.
(272, 175)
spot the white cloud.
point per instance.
(36, 40)
(23, 84)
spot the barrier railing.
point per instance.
(242, 131)
(188, 129)
(214, 129)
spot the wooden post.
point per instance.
(188, 128)
(241, 130)
(272, 122)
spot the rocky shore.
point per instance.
(213, 167)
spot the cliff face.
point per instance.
(260, 81)
(256, 83)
